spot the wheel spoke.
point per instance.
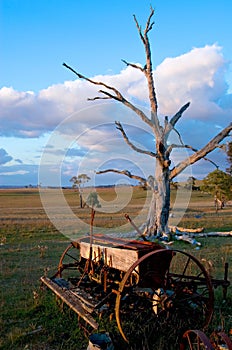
(189, 342)
(186, 266)
(68, 263)
(72, 257)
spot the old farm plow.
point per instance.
(140, 285)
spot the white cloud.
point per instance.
(13, 173)
(197, 76)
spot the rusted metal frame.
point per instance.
(97, 306)
(191, 278)
(65, 295)
(135, 227)
(87, 269)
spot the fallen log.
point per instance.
(215, 234)
(176, 229)
(190, 235)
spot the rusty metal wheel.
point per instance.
(69, 262)
(221, 340)
(225, 339)
(170, 293)
(195, 340)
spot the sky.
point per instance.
(51, 132)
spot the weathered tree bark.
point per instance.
(157, 220)
(162, 196)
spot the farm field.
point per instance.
(31, 246)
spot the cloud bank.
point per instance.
(197, 76)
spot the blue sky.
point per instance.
(41, 101)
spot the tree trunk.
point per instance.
(157, 220)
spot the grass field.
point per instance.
(31, 246)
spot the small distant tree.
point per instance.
(219, 184)
(79, 182)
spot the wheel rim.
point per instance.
(221, 338)
(195, 340)
(163, 297)
(69, 261)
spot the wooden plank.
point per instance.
(120, 259)
(72, 301)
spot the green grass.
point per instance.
(30, 316)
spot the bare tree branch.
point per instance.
(139, 30)
(110, 96)
(118, 96)
(99, 98)
(170, 148)
(133, 65)
(148, 72)
(120, 128)
(149, 26)
(209, 147)
(81, 76)
(123, 172)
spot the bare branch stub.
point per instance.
(171, 125)
(98, 98)
(178, 115)
(133, 65)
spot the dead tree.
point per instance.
(157, 220)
